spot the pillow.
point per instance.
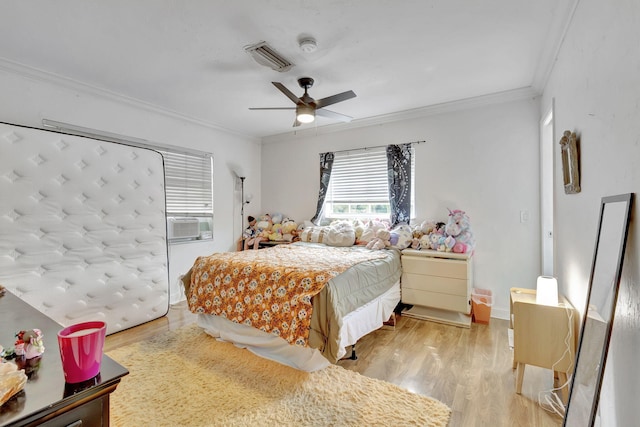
(314, 234)
(336, 234)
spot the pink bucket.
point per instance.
(81, 350)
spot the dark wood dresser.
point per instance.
(46, 399)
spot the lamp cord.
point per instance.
(548, 399)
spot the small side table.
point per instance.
(543, 336)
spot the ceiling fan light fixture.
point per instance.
(305, 113)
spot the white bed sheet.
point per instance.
(354, 326)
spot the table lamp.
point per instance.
(547, 290)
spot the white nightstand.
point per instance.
(543, 336)
(438, 285)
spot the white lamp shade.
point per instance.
(547, 290)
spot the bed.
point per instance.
(301, 304)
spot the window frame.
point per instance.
(363, 159)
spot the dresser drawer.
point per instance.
(434, 299)
(442, 285)
(87, 415)
(435, 267)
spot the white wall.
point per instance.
(596, 86)
(28, 98)
(482, 160)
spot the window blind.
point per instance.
(188, 181)
(359, 177)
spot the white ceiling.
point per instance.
(188, 58)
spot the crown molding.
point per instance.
(36, 74)
(553, 44)
(445, 107)
(431, 110)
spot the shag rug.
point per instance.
(187, 378)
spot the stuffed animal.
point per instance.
(425, 227)
(434, 241)
(288, 228)
(459, 228)
(416, 234)
(276, 228)
(425, 241)
(264, 223)
(370, 231)
(359, 227)
(401, 237)
(446, 243)
(276, 218)
(276, 236)
(381, 241)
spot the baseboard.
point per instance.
(499, 313)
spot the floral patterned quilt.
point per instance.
(269, 289)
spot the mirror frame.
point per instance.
(588, 329)
(570, 167)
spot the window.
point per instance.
(188, 183)
(359, 186)
(189, 190)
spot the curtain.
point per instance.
(399, 175)
(326, 164)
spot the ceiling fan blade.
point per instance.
(335, 98)
(287, 92)
(333, 115)
(272, 108)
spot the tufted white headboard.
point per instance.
(83, 228)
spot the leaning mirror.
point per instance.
(597, 322)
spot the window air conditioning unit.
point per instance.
(182, 228)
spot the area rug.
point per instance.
(187, 378)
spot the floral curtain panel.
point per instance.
(326, 164)
(399, 172)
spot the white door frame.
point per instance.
(547, 196)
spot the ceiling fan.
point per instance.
(307, 107)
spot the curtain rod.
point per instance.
(375, 146)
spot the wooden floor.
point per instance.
(468, 369)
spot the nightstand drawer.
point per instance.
(435, 267)
(443, 285)
(434, 299)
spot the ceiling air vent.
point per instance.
(264, 54)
